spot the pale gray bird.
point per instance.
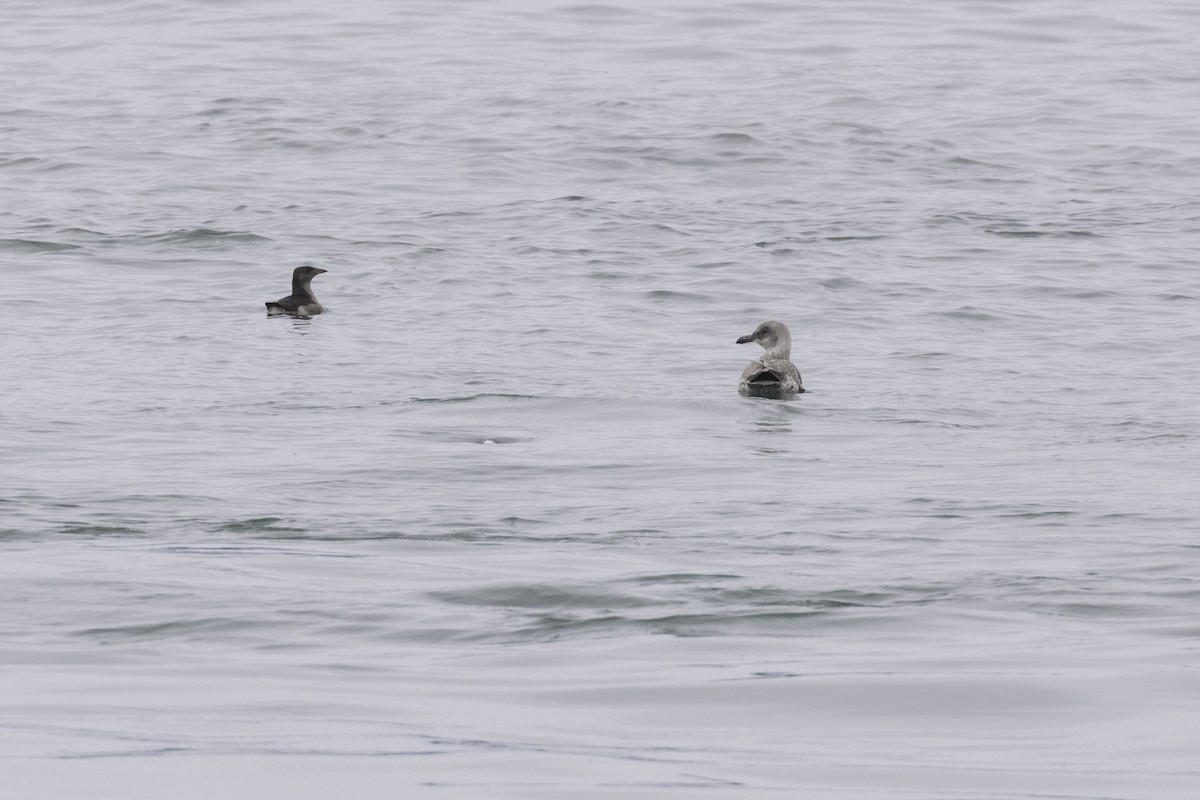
(774, 375)
(301, 302)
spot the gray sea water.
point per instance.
(498, 525)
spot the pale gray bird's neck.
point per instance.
(779, 348)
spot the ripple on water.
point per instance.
(204, 237)
(34, 246)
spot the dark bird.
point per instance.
(774, 375)
(301, 302)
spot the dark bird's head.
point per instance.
(302, 277)
(774, 337)
(307, 273)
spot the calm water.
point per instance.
(498, 524)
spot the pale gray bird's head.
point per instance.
(774, 337)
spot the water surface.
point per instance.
(498, 524)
